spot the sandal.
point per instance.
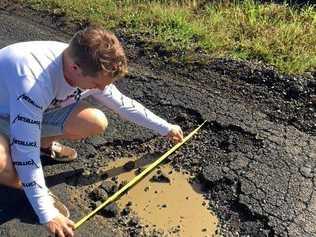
(60, 152)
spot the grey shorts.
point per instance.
(52, 122)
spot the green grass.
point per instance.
(280, 35)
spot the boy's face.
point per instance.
(100, 81)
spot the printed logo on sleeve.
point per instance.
(23, 143)
(27, 120)
(57, 103)
(25, 163)
(31, 184)
(77, 94)
(29, 100)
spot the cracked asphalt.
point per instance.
(256, 156)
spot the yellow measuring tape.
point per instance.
(137, 178)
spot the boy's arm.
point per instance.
(133, 111)
(26, 109)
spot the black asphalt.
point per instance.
(256, 156)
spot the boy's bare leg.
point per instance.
(83, 122)
(8, 174)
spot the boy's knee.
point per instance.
(101, 122)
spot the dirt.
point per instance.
(255, 157)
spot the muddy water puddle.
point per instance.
(165, 200)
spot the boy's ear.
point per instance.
(75, 67)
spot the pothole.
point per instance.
(165, 200)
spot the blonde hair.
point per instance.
(96, 50)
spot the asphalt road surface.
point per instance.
(256, 156)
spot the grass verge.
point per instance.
(277, 34)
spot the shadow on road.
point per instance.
(14, 205)
(77, 177)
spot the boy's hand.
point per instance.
(61, 226)
(176, 134)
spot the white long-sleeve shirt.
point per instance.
(32, 81)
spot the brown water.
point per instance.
(176, 207)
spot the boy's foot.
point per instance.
(60, 152)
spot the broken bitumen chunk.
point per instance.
(122, 184)
(122, 220)
(114, 179)
(307, 171)
(225, 169)
(126, 211)
(135, 233)
(295, 90)
(90, 151)
(133, 221)
(99, 194)
(175, 229)
(212, 174)
(109, 186)
(110, 210)
(160, 177)
(146, 189)
(128, 166)
(96, 141)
